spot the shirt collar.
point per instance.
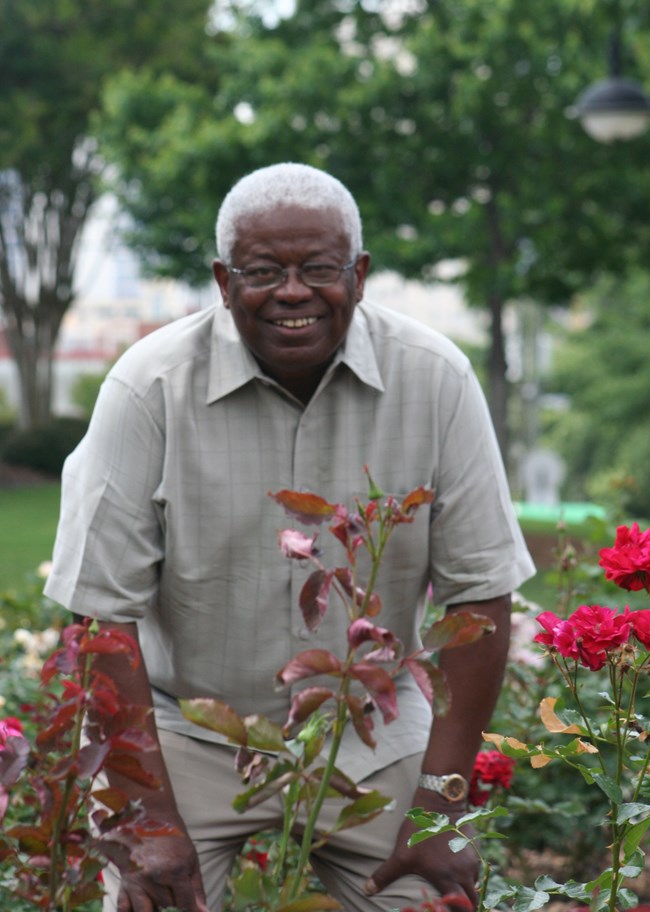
(232, 365)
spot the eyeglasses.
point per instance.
(315, 275)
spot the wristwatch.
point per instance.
(453, 787)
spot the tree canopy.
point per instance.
(447, 120)
(54, 59)
(603, 368)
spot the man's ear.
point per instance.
(222, 278)
(361, 268)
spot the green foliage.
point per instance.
(85, 391)
(54, 59)
(602, 366)
(44, 448)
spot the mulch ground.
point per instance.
(20, 477)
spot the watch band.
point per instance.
(453, 787)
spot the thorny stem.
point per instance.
(337, 735)
(56, 851)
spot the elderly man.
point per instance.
(167, 532)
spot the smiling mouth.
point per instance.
(298, 323)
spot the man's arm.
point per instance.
(475, 676)
(168, 872)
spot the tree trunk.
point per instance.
(39, 239)
(497, 368)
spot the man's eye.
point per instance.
(319, 271)
(263, 272)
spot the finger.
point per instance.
(384, 875)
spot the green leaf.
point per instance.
(608, 785)
(628, 810)
(217, 716)
(527, 899)
(361, 810)
(314, 902)
(263, 734)
(458, 844)
(634, 836)
(247, 888)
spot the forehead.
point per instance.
(289, 229)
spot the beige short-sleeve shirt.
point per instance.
(166, 518)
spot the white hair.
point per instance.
(285, 184)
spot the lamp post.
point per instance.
(614, 108)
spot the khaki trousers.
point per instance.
(205, 783)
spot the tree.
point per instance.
(447, 122)
(602, 366)
(54, 59)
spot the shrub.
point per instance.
(43, 448)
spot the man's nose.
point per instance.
(292, 285)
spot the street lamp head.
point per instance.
(614, 109)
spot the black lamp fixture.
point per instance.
(615, 108)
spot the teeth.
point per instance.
(296, 324)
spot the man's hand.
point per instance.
(448, 872)
(167, 876)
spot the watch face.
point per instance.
(455, 787)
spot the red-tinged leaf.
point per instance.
(457, 628)
(362, 630)
(416, 498)
(13, 759)
(362, 721)
(373, 605)
(380, 686)
(432, 682)
(313, 902)
(305, 702)
(263, 734)
(86, 892)
(345, 579)
(133, 739)
(31, 839)
(217, 716)
(310, 509)
(114, 799)
(110, 641)
(4, 804)
(151, 827)
(126, 719)
(60, 722)
(130, 766)
(307, 664)
(314, 598)
(90, 759)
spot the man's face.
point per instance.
(293, 330)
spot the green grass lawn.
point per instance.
(28, 518)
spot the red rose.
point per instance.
(492, 769)
(628, 562)
(587, 635)
(598, 631)
(640, 623)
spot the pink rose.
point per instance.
(628, 562)
(295, 544)
(10, 728)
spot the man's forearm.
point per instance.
(133, 684)
(475, 675)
